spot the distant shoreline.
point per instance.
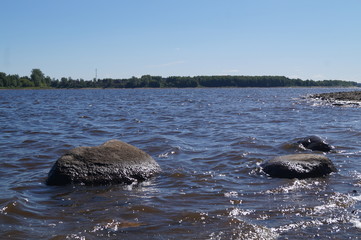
(38, 80)
(49, 88)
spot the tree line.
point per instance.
(38, 80)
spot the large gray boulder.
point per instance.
(111, 162)
(299, 166)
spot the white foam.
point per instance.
(356, 222)
(3, 210)
(231, 194)
(239, 212)
(357, 198)
(324, 208)
(294, 186)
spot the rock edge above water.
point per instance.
(112, 162)
(340, 98)
(315, 143)
(299, 166)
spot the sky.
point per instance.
(306, 39)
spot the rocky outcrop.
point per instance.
(341, 96)
(299, 166)
(315, 143)
(111, 162)
(352, 98)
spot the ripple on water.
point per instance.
(209, 143)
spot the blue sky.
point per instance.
(307, 39)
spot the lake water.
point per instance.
(209, 143)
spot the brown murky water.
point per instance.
(209, 143)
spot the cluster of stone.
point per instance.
(302, 165)
(119, 162)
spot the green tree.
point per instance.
(37, 77)
(47, 81)
(13, 81)
(25, 82)
(3, 79)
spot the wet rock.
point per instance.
(348, 98)
(299, 166)
(340, 96)
(315, 143)
(111, 162)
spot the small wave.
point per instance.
(356, 222)
(21, 208)
(115, 225)
(168, 153)
(29, 141)
(341, 200)
(357, 198)
(194, 217)
(296, 185)
(298, 225)
(240, 212)
(244, 230)
(231, 194)
(35, 132)
(96, 132)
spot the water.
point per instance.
(209, 143)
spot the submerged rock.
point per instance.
(315, 143)
(299, 166)
(111, 162)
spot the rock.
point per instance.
(315, 143)
(111, 162)
(299, 166)
(348, 98)
(339, 96)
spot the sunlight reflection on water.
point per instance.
(209, 143)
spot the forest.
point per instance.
(37, 79)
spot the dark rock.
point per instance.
(348, 98)
(111, 162)
(340, 96)
(299, 166)
(315, 143)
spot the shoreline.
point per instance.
(339, 87)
